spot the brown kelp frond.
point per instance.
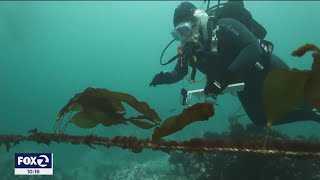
(96, 106)
(141, 107)
(312, 86)
(197, 112)
(304, 49)
(274, 147)
(285, 89)
(101, 106)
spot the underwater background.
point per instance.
(50, 51)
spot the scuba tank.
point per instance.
(237, 11)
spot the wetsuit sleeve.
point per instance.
(179, 71)
(239, 40)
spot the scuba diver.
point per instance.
(228, 46)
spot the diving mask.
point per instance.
(182, 31)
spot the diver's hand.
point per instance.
(216, 87)
(157, 79)
(213, 89)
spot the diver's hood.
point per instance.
(202, 19)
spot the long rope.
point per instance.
(274, 147)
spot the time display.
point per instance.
(33, 171)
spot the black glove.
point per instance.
(215, 87)
(157, 79)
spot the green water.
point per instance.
(51, 50)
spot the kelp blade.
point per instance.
(103, 106)
(197, 112)
(312, 87)
(305, 48)
(283, 91)
(84, 120)
(139, 106)
(117, 97)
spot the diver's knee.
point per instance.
(259, 123)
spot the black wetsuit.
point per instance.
(238, 52)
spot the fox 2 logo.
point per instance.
(33, 160)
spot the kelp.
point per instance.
(304, 49)
(86, 119)
(285, 89)
(197, 112)
(312, 87)
(96, 106)
(101, 106)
